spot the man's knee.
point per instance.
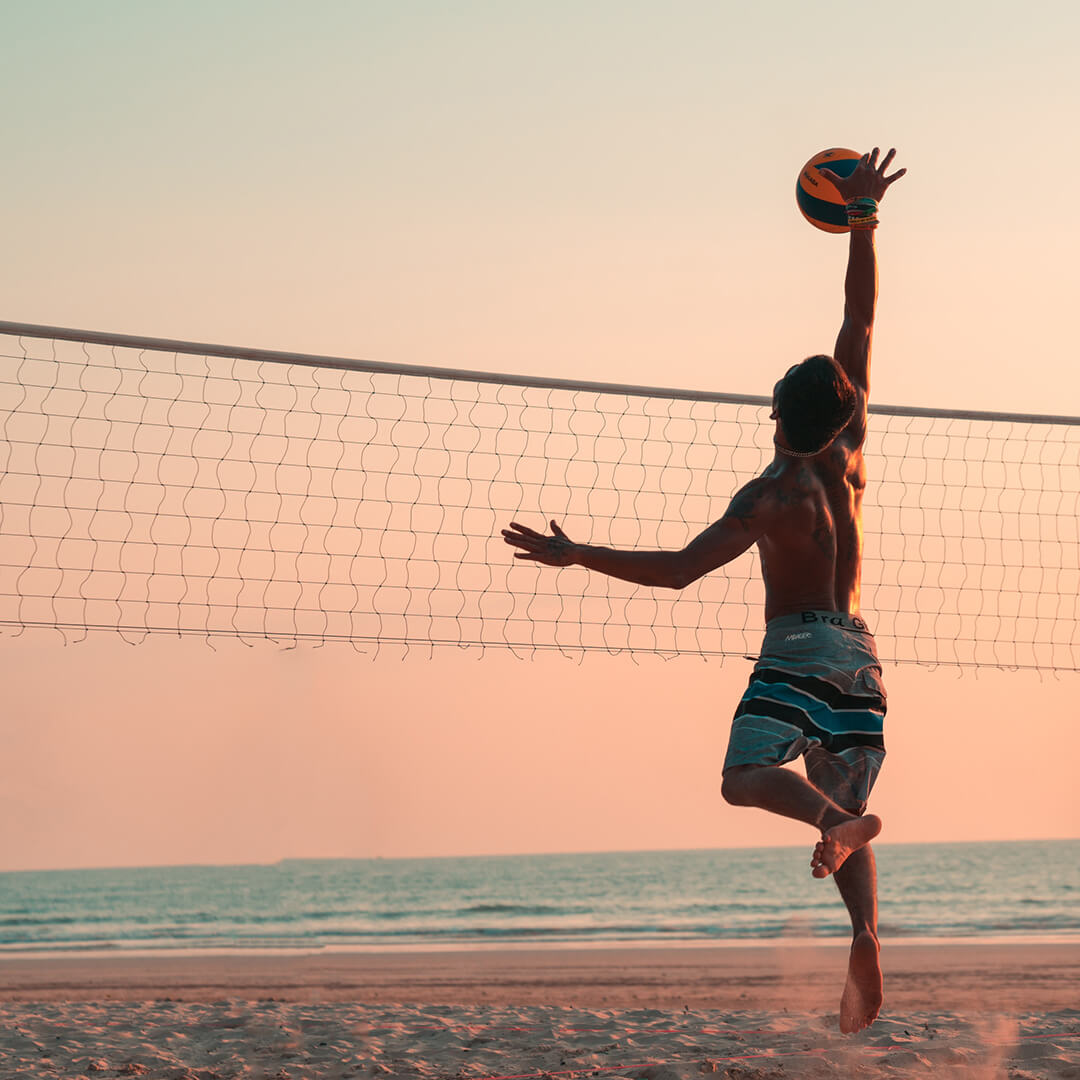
(734, 788)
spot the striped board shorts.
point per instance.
(816, 691)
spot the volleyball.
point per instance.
(818, 200)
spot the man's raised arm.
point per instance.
(862, 191)
(853, 343)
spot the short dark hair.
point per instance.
(815, 400)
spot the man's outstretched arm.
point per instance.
(852, 353)
(744, 522)
(853, 343)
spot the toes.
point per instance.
(818, 861)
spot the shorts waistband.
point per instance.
(833, 645)
(817, 618)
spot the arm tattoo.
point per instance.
(744, 506)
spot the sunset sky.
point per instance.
(599, 190)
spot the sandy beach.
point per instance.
(1008, 1011)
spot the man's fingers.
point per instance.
(529, 549)
(871, 158)
(828, 174)
(556, 530)
(895, 176)
(519, 540)
(886, 161)
(525, 531)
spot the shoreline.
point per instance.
(788, 941)
(995, 977)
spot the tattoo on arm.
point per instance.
(745, 504)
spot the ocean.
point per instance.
(1022, 891)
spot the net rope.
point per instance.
(162, 487)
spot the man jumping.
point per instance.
(817, 687)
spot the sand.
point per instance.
(974, 1011)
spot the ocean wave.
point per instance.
(929, 891)
(523, 909)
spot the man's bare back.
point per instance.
(811, 553)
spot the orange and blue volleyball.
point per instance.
(821, 204)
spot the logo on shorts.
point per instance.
(830, 619)
(798, 637)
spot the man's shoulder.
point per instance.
(843, 460)
(757, 498)
(770, 485)
(776, 498)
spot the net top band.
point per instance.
(130, 341)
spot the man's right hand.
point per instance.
(867, 179)
(553, 550)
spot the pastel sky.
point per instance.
(598, 190)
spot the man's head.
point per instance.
(814, 402)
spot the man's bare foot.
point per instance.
(840, 841)
(861, 1001)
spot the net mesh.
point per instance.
(148, 488)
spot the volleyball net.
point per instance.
(151, 486)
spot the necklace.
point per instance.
(796, 453)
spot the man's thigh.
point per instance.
(847, 777)
(761, 740)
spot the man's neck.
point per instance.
(788, 452)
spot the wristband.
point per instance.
(861, 212)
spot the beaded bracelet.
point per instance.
(862, 212)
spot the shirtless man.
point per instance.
(816, 689)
